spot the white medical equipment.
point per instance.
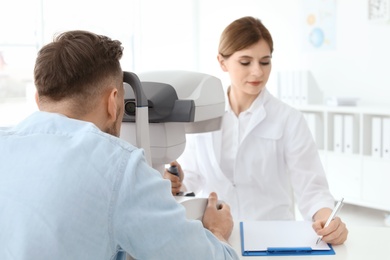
(161, 107)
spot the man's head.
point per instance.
(79, 75)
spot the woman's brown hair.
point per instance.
(241, 34)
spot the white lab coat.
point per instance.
(276, 158)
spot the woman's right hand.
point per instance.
(176, 181)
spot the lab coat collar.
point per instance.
(256, 109)
(257, 103)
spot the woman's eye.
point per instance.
(265, 63)
(245, 63)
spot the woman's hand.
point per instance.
(335, 233)
(176, 181)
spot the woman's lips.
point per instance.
(254, 83)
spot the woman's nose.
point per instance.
(257, 70)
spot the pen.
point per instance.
(332, 216)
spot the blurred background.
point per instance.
(338, 41)
(342, 44)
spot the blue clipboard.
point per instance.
(281, 251)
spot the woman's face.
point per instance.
(249, 69)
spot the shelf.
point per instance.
(354, 147)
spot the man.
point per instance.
(71, 189)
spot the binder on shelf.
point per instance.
(386, 137)
(310, 93)
(341, 101)
(350, 134)
(305, 89)
(338, 133)
(290, 87)
(376, 136)
(315, 127)
(298, 87)
(276, 238)
(282, 86)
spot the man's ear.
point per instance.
(112, 104)
(37, 98)
(221, 61)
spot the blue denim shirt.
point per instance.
(70, 191)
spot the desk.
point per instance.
(363, 243)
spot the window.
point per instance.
(18, 45)
(156, 35)
(27, 25)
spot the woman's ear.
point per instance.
(221, 61)
(112, 104)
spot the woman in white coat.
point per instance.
(264, 155)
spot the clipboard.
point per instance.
(281, 238)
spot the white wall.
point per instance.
(358, 66)
(115, 20)
(166, 35)
(184, 34)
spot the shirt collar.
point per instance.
(256, 105)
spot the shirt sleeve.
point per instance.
(148, 223)
(306, 171)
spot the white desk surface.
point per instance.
(363, 243)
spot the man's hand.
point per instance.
(217, 218)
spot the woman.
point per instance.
(264, 155)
